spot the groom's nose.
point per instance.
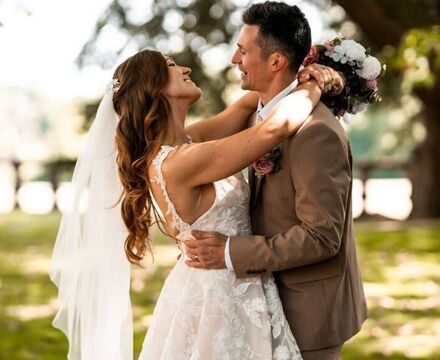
(236, 58)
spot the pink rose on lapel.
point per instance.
(268, 163)
(263, 166)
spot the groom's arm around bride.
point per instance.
(303, 220)
(303, 213)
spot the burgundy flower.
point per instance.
(312, 57)
(263, 166)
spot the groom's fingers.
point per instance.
(206, 248)
(199, 234)
(195, 264)
(209, 265)
(192, 244)
(191, 254)
(200, 263)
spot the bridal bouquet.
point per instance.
(361, 71)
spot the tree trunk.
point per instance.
(373, 22)
(425, 166)
(383, 28)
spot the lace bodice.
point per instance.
(210, 314)
(229, 213)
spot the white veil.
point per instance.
(89, 265)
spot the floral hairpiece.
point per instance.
(114, 85)
(361, 71)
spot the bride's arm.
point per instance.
(230, 121)
(203, 163)
(236, 117)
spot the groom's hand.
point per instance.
(207, 250)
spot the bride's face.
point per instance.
(180, 85)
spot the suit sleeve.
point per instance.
(321, 175)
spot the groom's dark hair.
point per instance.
(282, 28)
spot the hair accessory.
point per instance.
(114, 85)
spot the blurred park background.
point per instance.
(57, 58)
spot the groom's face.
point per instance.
(254, 70)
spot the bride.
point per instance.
(138, 146)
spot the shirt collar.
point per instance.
(264, 110)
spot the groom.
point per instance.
(301, 213)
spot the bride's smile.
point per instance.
(180, 86)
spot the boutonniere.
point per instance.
(269, 163)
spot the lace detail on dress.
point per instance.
(181, 226)
(285, 346)
(211, 314)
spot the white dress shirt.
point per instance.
(262, 112)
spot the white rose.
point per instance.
(347, 118)
(370, 69)
(355, 52)
(348, 51)
(337, 54)
(334, 55)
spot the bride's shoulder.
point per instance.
(169, 161)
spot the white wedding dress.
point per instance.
(210, 314)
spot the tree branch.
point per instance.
(375, 25)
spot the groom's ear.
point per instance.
(277, 61)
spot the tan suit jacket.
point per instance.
(302, 220)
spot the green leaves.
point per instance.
(417, 57)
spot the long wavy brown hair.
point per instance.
(143, 112)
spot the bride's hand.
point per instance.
(330, 80)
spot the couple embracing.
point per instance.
(268, 270)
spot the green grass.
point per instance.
(401, 270)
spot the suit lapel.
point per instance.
(251, 172)
(258, 183)
(255, 186)
(251, 179)
(254, 181)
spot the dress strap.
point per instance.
(183, 228)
